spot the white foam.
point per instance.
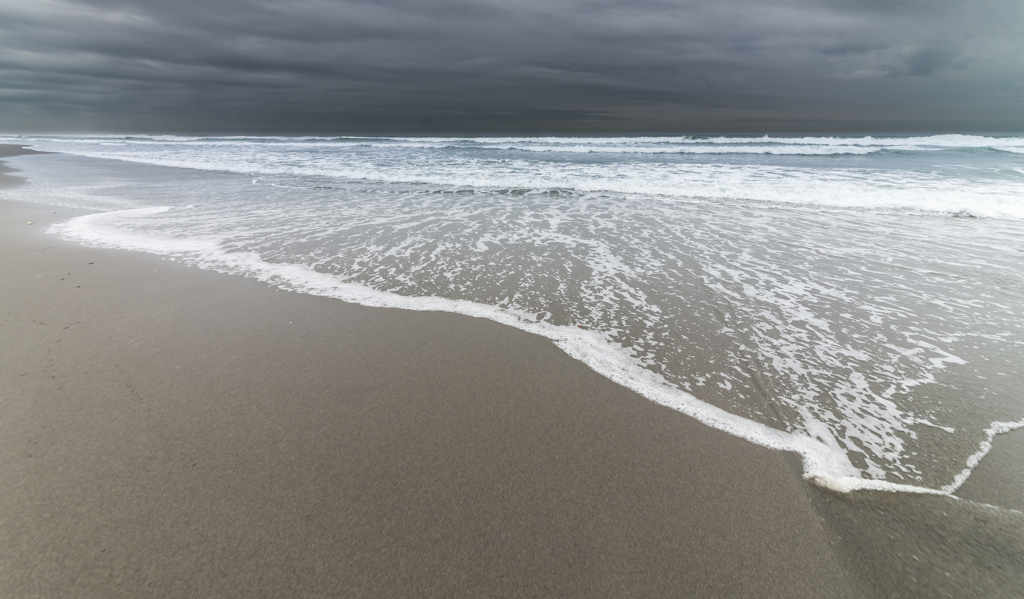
(996, 428)
(840, 389)
(824, 462)
(910, 143)
(846, 484)
(101, 230)
(937, 189)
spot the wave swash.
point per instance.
(825, 296)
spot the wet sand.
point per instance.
(999, 478)
(926, 546)
(8, 176)
(168, 431)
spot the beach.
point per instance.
(172, 431)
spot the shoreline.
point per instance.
(825, 466)
(197, 433)
(371, 450)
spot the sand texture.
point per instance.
(172, 432)
(168, 431)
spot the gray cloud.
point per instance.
(928, 61)
(529, 66)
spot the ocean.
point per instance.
(857, 300)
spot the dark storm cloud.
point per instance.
(530, 66)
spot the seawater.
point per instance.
(857, 300)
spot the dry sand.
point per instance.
(167, 431)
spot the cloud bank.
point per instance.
(482, 66)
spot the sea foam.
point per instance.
(822, 304)
(523, 163)
(824, 463)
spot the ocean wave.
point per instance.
(651, 144)
(928, 189)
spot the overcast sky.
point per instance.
(527, 66)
